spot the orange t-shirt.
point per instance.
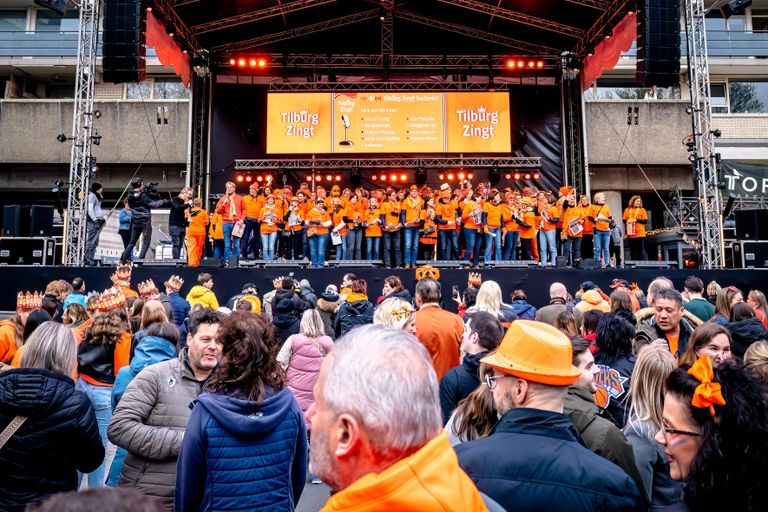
(7, 341)
(354, 210)
(413, 209)
(264, 216)
(674, 342)
(121, 358)
(296, 227)
(530, 219)
(494, 214)
(338, 218)
(589, 226)
(509, 221)
(467, 219)
(215, 231)
(601, 210)
(391, 212)
(253, 205)
(198, 222)
(448, 213)
(316, 215)
(570, 215)
(637, 214)
(552, 213)
(373, 230)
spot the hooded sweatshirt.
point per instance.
(149, 350)
(356, 310)
(593, 300)
(200, 294)
(241, 455)
(426, 481)
(744, 333)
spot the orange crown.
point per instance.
(122, 274)
(427, 271)
(109, 300)
(29, 300)
(147, 288)
(475, 279)
(174, 283)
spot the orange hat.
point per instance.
(414, 187)
(537, 352)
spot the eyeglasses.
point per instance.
(665, 428)
(490, 380)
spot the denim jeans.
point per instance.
(178, 233)
(548, 247)
(510, 245)
(218, 248)
(602, 246)
(101, 399)
(354, 244)
(268, 245)
(230, 243)
(92, 232)
(449, 242)
(572, 250)
(473, 240)
(341, 249)
(411, 245)
(251, 241)
(372, 246)
(116, 467)
(493, 243)
(317, 246)
(392, 238)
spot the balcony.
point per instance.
(22, 44)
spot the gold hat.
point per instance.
(174, 283)
(109, 300)
(147, 289)
(29, 300)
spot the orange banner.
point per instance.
(477, 123)
(299, 123)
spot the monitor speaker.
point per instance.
(588, 263)
(41, 221)
(658, 43)
(211, 263)
(124, 39)
(751, 224)
(15, 223)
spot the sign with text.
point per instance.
(388, 122)
(745, 179)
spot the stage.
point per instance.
(229, 281)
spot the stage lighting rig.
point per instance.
(260, 62)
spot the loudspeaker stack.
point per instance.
(124, 39)
(658, 43)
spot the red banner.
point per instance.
(168, 51)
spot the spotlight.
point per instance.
(450, 176)
(590, 50)
(470, 176)
(318, 178)
(734, 7)
(329, 178)
(441, 177)
(249, 178)
(338, 177)
(232, 61)
(517, 176)
(382, 14)
(239, 178)
(540, 64)
(531, 64)
(692, 158)
(309, 177)
(61, 138)
(374, 177)
(96, 140)
(403, 177)
(383, 177)
(507, 176)
(252, 63)
(259, 178)
(58, 183)
(97, 114)
(261, 63)
(527, 176)
(536, 176)
(608, 33)
(510, 63)
(716, 133)
(461, 175)
(393, 177)
(520, 64)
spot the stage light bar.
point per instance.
(253, 178)
(520, 64)
(253, 62)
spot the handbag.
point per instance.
(11, 429)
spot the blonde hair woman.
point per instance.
(489, 300)
(756, 359)
(653, 366)
(396, 313)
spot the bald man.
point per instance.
(559, 301)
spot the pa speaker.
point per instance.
(41, 221)
(211, 263)
(658, 43)
(124, 39)
(751, 224)
(588, 264)
(15, 221)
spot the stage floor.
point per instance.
(229, 281)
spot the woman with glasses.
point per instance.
(710, 339)
(714, 431)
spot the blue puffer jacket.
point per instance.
(523, 310)
(180, 308)
(533, 461)
(150, 350)
(239, 455)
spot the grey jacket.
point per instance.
(149, 423)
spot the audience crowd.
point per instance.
(603, 399)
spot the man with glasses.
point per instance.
(534, 459)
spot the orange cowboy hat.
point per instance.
(537, 352)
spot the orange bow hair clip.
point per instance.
(402, 312)
(708, 393)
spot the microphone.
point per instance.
(345, 120)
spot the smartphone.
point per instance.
(456, 292)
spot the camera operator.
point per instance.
(177, 222)
(141, 201)
(93, 223)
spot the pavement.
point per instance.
(313, 498)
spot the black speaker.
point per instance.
(41, 221)
(211, 263)
(588, 263)
(658, 43)
(751, 224)
(124, 38)
(15, 223)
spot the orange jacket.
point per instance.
(198, 222)
(7, 341)
(440, 331)
(224, 208)
(426, 481)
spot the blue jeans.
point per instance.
(411, 245)
(548, 247)
(341, 249)
(372, 246)
(231, 244)
(602, 246)
(449, 242)
(473, 241)
(251, 240)
(493, 242)
(354, 244)
(317, 245)
(101, 399)
(510, 245)
(218, 248)
(116, 467)
(268, 245)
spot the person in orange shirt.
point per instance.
(573, 228)
(550, 216)
(600, 214)
(588, 242)
(472, 220)
(527, 228)
(636, 218)
(104, 350)
(428, 238)
(269, 217)
(447, 218)
(198, 224)
(412, 208)
(493, 218)
(511, 228)
(12, 329)
(372, 223)
(304, 206)
(216, 234)
(318, 221)
(293, 235)
(251, 241)
(339, 217)
(391, 222)
(355, 214)
(232, 211)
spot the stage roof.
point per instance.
(543, 28)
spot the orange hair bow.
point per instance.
(708, 393)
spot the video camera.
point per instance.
(151, 190)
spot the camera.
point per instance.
(151, 190)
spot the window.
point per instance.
(737, 24)
(718, 98)
(748, 97)
(714, 22)
(13, 20)
(630, 91)
(49, 21)
(157, 89)
(139, 91)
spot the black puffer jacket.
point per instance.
(141, 207)
(352, 314)
(459, 382)
(299, 304)
(59, 438)
(744, 333)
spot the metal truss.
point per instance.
(180, 29)
(387, 34)
(80, 160)
(572, 113)
(297, 32)
(199, 132)
(614, 9)
(535, 49)
(388, 163)
(437, 85)
(517, 17)
(705, 170)
(260, 14)
(180, 3)
(595, 4)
